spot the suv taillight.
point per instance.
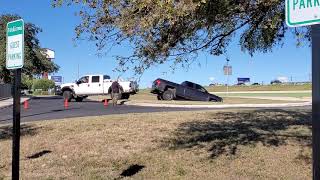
(158, 82)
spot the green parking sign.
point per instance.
(302, 12)
(15, 44)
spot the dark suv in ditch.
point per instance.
(187, 90)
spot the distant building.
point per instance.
(283, 79)
(49, 53)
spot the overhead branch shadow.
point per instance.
(25, 130)
(224, 132)
(42, 113)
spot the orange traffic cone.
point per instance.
(26, 104)
(66, 103)
(105, 103)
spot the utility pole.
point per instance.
(78, 70)
(227, 71)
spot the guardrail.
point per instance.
(5, 91)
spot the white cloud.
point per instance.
(212, 78)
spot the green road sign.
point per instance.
(302, 12)
(15, 44)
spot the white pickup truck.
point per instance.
(94, 85)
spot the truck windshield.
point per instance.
(200, 88)
(106, 77)
(84, 79)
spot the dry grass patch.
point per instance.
(271, 144)
(278, 87)
(146, 97)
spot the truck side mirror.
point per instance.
(78, 82)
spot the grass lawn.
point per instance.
(260, 88)
(296, 95)
(262, 144)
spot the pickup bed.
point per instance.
(95, 85)
(167, 90)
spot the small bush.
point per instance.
(43, 84)
(26, 82)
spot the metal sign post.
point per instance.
(316, 101)
(16, 124)
(227, 71)
(15, 61)
(306, 13)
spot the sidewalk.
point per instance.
(9, 102)
(275, 98)
(262, 92)
(279, 105)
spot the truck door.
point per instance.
(83, 86)
(194, 92)
(188, 90)
(96, 85)
(201, 93)
(106, 84)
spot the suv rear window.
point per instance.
(95, 79)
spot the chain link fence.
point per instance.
(5, 91)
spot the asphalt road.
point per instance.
(48, 108)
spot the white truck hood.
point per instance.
(68, 84)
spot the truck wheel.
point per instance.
(67, 95)
(168, 95)
(125, 96)
(79, 99)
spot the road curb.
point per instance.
(11, 103)
(226, 105)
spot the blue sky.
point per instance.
(58, 31)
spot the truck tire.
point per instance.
(168, 95)
(67, 95)
(125, 96)
(159, 97)
(79, 99)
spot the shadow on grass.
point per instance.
(39, 154)
(26, 130)
(132, 170)
(224, 132)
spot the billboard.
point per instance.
(243, 80)
(56, 79)
(48, 53)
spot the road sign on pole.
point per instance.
(227, 71)
(302, 12)
(15, 44)
(14, 61)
